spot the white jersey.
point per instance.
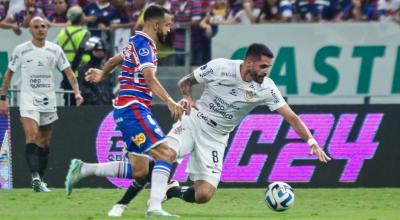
(37, 66)
(227, 98)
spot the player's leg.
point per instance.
(201, 192)
(164, 157)
(136, 168)
(43, 139)
(205, 166)
(142, 134)
(180, 141)
(29, 121)
(133, 190)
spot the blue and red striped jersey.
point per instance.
(140, 53)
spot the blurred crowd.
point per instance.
(83, 19)
(115, 14)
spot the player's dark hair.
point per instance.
(154, 12)
(255, 51)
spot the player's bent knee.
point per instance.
(203, 196)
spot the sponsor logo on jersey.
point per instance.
(276, 100)
(139, 139)
(203, 67)
(28, 61)
(206, 73)
(37, 101)
(144, 51)
(234, 92)
(232, 75)
(40, 63)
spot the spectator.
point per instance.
(72, 39)
(201, 45)
(4, 4)
(59, 17)
(187, 14)
(99, 16)
(219, 12)
(248, 14)
(388, 10)
(124, 17)
(95, 93)
(45, 7)
(360, 10)
(275, 11)
(310, 11)
(22, 17)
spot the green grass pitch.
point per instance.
(232, 204)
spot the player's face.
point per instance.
(260, 69)
(164, 27)
(38, 29)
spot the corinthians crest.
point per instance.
(249, 95)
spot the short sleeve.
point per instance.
(275, 99)
(207, 72)
(145, 55)
(62, 62)
(15, 60)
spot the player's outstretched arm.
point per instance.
(302, 130)
(95, 75)
(74, 84)
(185, 87)
(156, 87)
(4, 88)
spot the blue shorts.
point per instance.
(140, 131)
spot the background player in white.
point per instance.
(37, 60)
(232, 89)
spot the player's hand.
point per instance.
(176, 109)
(316, 150)
(94, 75)
(187, 104)
(4, 108)
(79, 99)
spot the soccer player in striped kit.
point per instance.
(141, 133)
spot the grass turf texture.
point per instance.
(87, 204)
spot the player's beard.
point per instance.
(161, 36)
(254, 75)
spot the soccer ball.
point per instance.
(279, 196)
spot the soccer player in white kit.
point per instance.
(36, 61)
(232, 89)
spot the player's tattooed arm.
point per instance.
(185, 87)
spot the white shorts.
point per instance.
(193, 135)
(42, 118)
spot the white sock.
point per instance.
(110, 169)
(159, 182)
